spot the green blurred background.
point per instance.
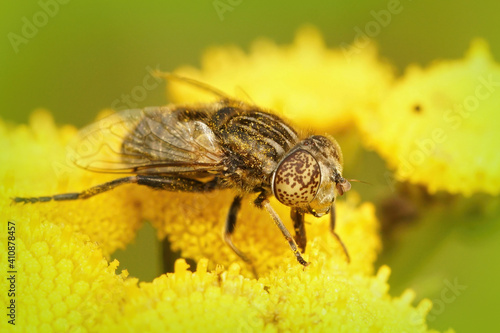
(84, 56)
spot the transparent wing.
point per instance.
(152, 140)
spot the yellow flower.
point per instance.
(438, 126)
(289, 299)
(194, 223)
(306, 81)
(63, 283)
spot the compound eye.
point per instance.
(297, 179)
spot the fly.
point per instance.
(202, 148)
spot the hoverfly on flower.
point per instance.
(202, 148)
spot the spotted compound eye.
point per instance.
(297, 179)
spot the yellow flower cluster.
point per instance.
(65, 282)
(439, 126)
(291, 299)
(194, 223)
(307, 82)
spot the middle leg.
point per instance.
(230, 225)
(332, 230)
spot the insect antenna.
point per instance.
(194, 83)
(244, 92)
(359, 181)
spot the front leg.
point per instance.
(262, 201)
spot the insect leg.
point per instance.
(177, 184)
(332, 229)
(80, 195)
(169, 183)
(262, 201)
(231, 224)
(300, 230)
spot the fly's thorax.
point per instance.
(307, 175)
(254, 140)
